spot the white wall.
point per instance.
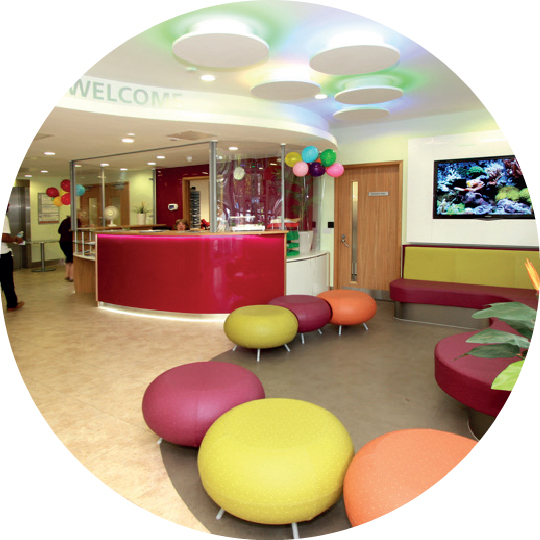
(420, 225)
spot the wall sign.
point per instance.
(48, 212)
(378, 193)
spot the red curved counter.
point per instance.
(197, 273)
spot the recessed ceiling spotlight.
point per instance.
(123, 169)
(128, 140)
(208, 78)
(151, 163)
(28, 176)
(160, 157)
(233, 148)
(103, 164)
(50, 153)
(78, 165)
(44, 171)
(321, 96)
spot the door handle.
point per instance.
(343, 240)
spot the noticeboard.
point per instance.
(48, 212)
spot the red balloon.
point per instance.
(66, 199)
(65, 185)
(52, 192)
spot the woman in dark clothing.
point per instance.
(66, 245)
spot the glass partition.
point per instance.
(254, 189)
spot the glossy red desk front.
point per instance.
(197, 273)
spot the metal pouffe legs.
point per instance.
(289, 350)
(302, 338)
(258, 354)
(220, 513)
(319, 330)
(339, 333)
(295, 530)
(234, 348)
(365, 326)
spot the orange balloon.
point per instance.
(57, 201)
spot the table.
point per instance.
(42, 248)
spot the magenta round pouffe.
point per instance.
(312, 312)
(183, 402)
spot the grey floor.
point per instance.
(373, 381)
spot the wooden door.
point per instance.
(367, 249)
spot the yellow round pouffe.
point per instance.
(261, 326)
(275, 461)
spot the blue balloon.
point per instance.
(309, 154)
(79, 190)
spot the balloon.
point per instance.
(335, 170)
(316, 169)
(309, 154)
(58, 201)
(328, 157)
(300, 169)
(292, 158)
(52, 192)
(66, 199)
(65, 185)
(79, 190)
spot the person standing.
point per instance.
(6, 266)
(66, 245)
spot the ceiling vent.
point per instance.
(190, 136)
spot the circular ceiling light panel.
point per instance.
(354, 59)
(368, 95)
(286, 90)
(220, 49)
(362, 114)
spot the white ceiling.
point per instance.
(417, 85)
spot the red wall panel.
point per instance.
(200, 273)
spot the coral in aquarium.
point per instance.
(508, 192)
(524, 196)
(475, 171)
(506, 206)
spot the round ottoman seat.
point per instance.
(275, 461)
(261, 326)
(349, 307)
(183, 402)
(395, 468)
(311, 312)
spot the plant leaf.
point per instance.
(501, 350)
(514, 311)
(490, 335)
(523, 327)
(507, 378)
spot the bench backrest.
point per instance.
(496, 267)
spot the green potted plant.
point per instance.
(501, 344)
(141, 210)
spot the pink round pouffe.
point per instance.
(183, 402)
(311, 312)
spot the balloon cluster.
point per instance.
(63, 196)
(313, 163)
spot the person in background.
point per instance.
(66, 245)
(6, 266)
(182, 224)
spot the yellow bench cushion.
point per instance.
(491, 267)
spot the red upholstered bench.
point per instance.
(450, 303)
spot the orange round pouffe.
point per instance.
(349, 307)
(395, 468)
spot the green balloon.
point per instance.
(328, 157)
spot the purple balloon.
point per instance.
(316, 169)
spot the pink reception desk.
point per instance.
(193, 272)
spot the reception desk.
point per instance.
(191, 272)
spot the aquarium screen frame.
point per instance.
(471, 216)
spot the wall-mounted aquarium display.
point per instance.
(485, 187)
